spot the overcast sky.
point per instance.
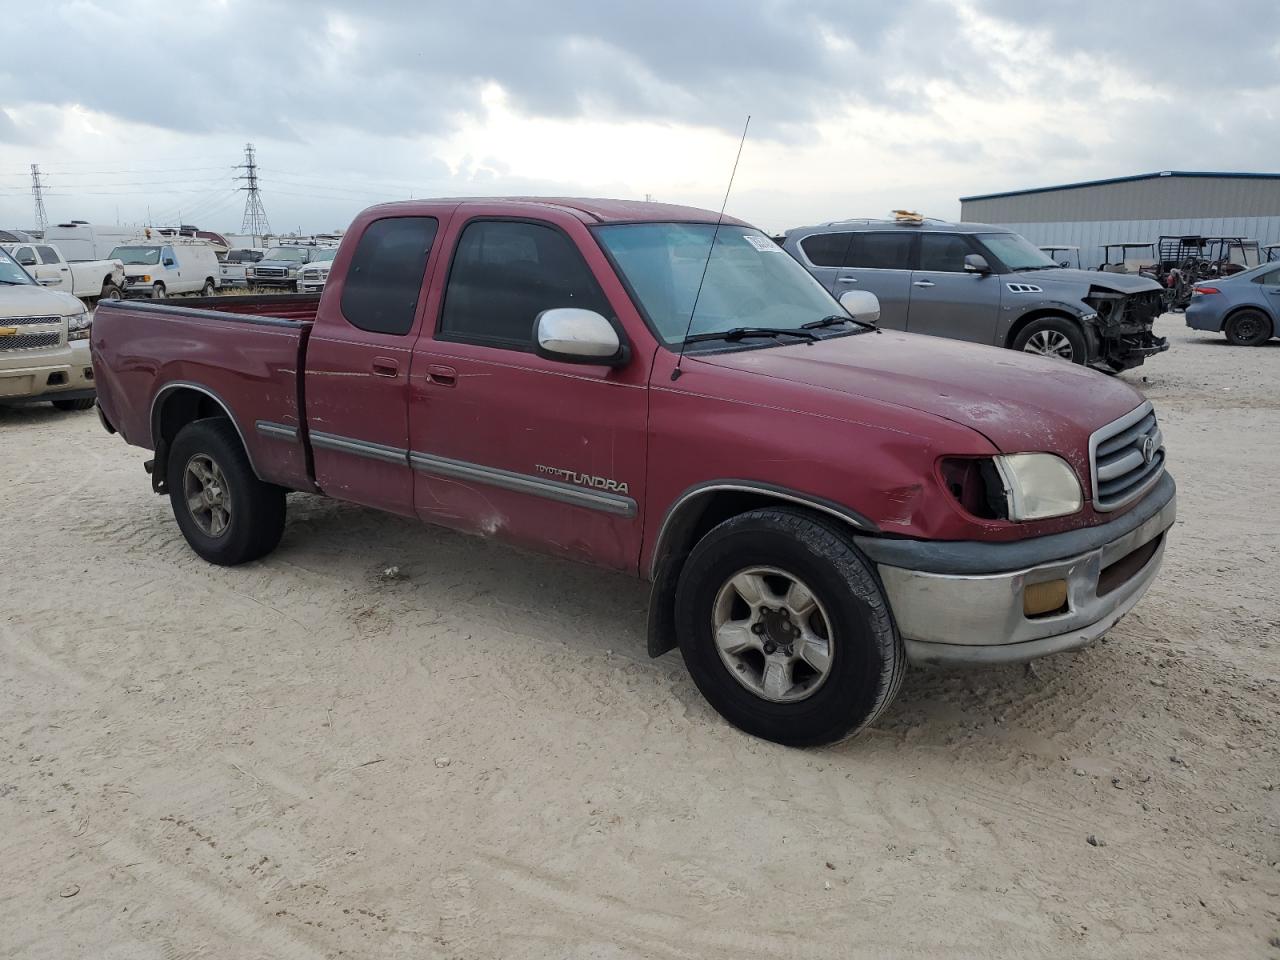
(857, 107)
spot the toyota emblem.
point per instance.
(1148, 449)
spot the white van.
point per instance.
(79, 240)
(161, 269)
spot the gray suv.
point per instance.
(971, 281)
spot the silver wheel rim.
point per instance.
(1050, 343)
(112, 294)
(772, 633)
(208, 499)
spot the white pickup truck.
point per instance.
(86, 279)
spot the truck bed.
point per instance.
(240, 353)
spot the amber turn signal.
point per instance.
(1040, 599)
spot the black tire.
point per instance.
(867, 659)
(157, 291)
(256, 511)
(208, 290)
(110, 292)
(1248, 328)
(86, 404)
(1039, 335)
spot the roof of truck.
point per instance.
(590, 209)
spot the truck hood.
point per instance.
(34, 301)
(1021, 403)
(1083, 279)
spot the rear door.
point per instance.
(946, 299)
(880, 263)
(506, 443)
(357, 364)
(1270, 284)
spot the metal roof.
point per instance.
(1141, 176)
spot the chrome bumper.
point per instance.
(947, 619)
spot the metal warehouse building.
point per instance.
(1140, 208)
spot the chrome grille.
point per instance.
(29, 341)
(28, 321)
(273, 272)
(1126, 458)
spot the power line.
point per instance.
(255, 221)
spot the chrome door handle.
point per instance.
(385, 367)
(441, 375)
(847, 280)
(924, 283)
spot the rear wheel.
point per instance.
(785, 630)
(226, 513)
(1054, 337)
(1248, 328)
(86, 404)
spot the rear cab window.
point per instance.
(384, 279)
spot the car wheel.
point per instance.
(1054, 337)
(785, 630)
(226, 513)
(110, 292)
(74, 404)
(157, 291)
(1248, 328)
(208, 290)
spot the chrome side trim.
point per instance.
(360, 448)
(743, 486)
(278, 431)
(611, 503)
(186, 384)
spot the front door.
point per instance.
(880, 263)
(45, 275)
(506, 443)
(946, 299)
(357, 366)
(57, 270)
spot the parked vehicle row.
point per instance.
(282, 266)
(816, 500)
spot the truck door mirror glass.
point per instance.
(574, 335)
(169, 262)
(862, 304)
(976, 263)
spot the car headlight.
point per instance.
(1018, 486)
(293, 271)
(248, 271)
(78, 326)
(1039, 485)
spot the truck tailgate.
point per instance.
(242, 359)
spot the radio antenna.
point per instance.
(675, 374)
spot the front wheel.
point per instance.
(209, 289)
(1248, 328)
(226, 513)
(785, 630)
(110, 292)
(157, 291)
(1054, 337)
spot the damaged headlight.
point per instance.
(1019, 486)
(78, 326)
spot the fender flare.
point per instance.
(160, 446)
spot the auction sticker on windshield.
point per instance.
(763, 244)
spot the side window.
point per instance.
(48, 255)
(167, 257)
(880, 251)
(384, 279)
(943, 252)
(826, 249)
(25, 256)
(1269, 277)
(504, 274)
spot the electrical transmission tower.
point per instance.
(37, 192)
(255, 216)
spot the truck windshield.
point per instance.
(291, 254)
(750, 280)
(323, 254)
(10, 272)
(136, 256)
(1016, 252)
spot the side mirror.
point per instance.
(976, 263)
(862, 304)
(573, 335)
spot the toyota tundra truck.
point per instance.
(652, 389)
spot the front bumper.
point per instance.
(972, 617)
(69, 376)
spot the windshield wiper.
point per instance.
(835, 318)
(15, 283)
(738, 333)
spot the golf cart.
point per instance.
(1070, 256)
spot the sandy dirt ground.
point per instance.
(301, 758)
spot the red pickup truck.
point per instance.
(816, 502)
